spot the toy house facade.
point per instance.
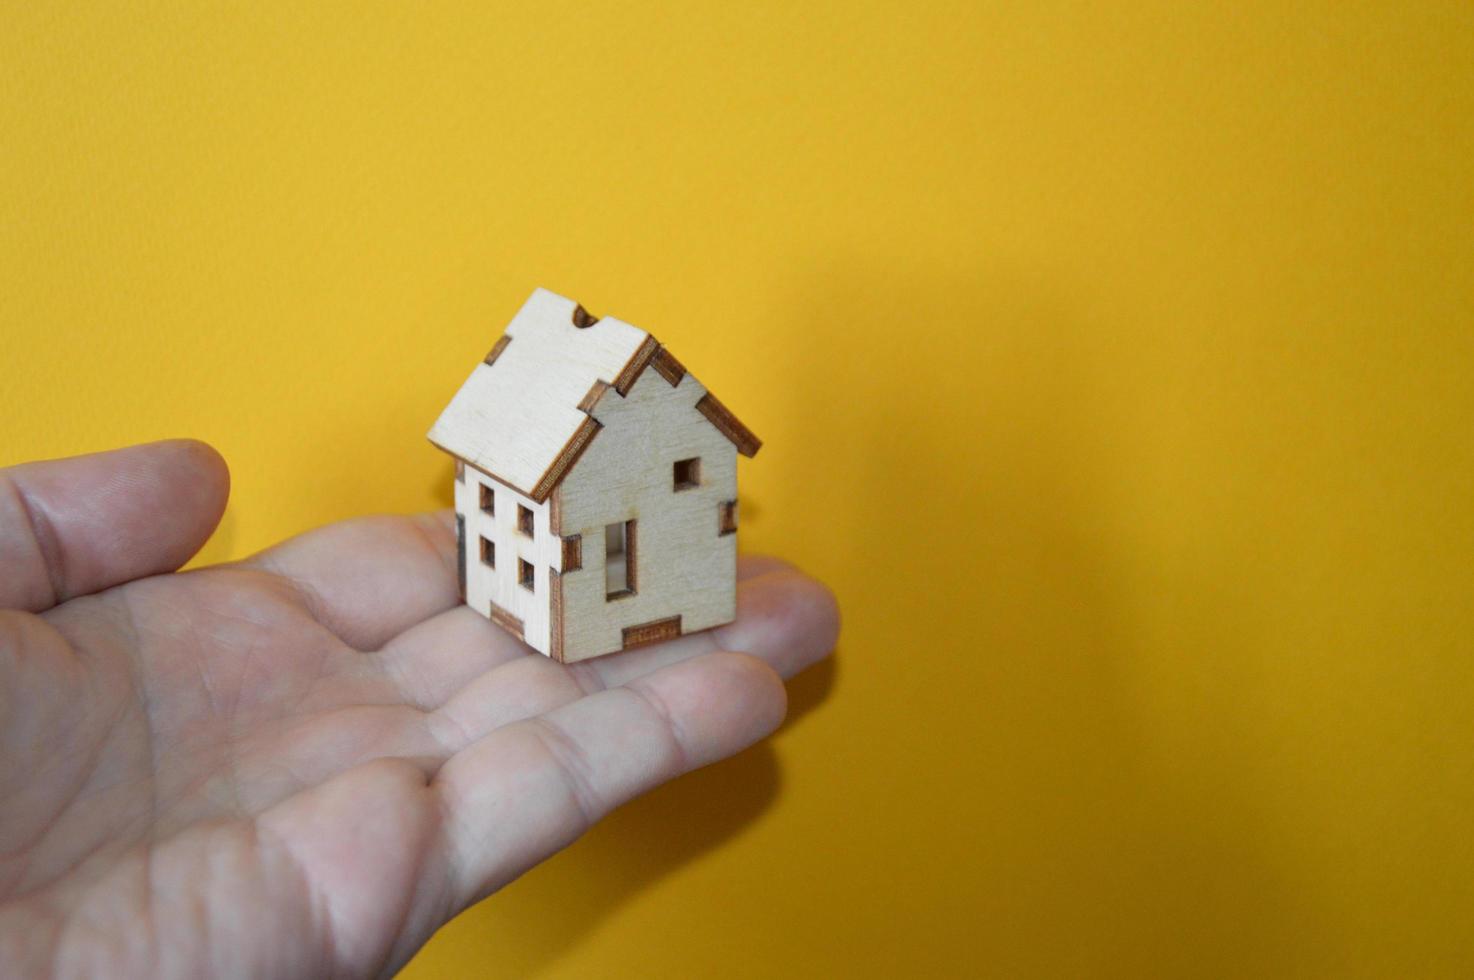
(595, 488)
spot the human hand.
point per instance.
(306, 762)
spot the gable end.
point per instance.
(511, 419)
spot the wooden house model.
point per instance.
(595, 486)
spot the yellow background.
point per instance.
(1115, 366)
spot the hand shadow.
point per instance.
(534, 921)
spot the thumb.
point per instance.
(69, 527)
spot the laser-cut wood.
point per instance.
(686, 474)
(566, 432)
(461, 556)
(555, 615)
(496, 350)
(572, 552)
(627, 560)
(653, 632)
(506, 620)
(637, 364)
(728, 424)
(670, 369)
(595, 392)
(582, 318)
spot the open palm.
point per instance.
(306, 762)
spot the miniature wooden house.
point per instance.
(596, 486)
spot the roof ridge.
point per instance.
(534, 389)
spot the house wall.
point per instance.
(486, 585)
(683, 565)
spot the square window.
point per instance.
(525, 574)
(488, 553)
(488, 500)
(524, 520)
(687, 473)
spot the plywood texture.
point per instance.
(485, 585)
(683, 565)
(518, 417)
(618, 413)
(647, 633)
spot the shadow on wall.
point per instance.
(442, 491)
(1001, 686)
(1003, 675)
(532, 922)
(535, 920)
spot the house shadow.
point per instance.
(442, 490)
(530, 924)
(1000, 683)
(1000, 634)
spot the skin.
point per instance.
(306, 762)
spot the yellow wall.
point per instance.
(1116, 366)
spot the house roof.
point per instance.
(523, 416)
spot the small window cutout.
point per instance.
(488, 500)
(524, 520)
(524, 574)
(687, 473)
(619, 560)
(488, 553)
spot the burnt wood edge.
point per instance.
(650, 353)
(591, 400)
(565, 459)
(572, 552)
(555, 616)
(669, 368)
(631, 554)
(496, 350)
(461, 556)
(654, 631)
(507, 621)
(729, 425)
(582, 318)
(636, 365)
